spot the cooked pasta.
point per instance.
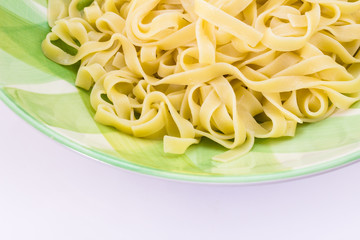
(227, 70)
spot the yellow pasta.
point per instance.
(227, 70)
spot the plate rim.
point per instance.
(133, 167)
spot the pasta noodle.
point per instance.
(227, 70)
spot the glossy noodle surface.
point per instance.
(227, 70)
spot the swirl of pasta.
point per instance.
(227, 70)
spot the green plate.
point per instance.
(43, 93)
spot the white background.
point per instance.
(48, 192)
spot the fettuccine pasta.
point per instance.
(227, 70)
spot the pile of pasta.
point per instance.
(227, 70)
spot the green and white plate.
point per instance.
(43, 93)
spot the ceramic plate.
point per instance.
(43, 93)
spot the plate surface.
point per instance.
(43, 93)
